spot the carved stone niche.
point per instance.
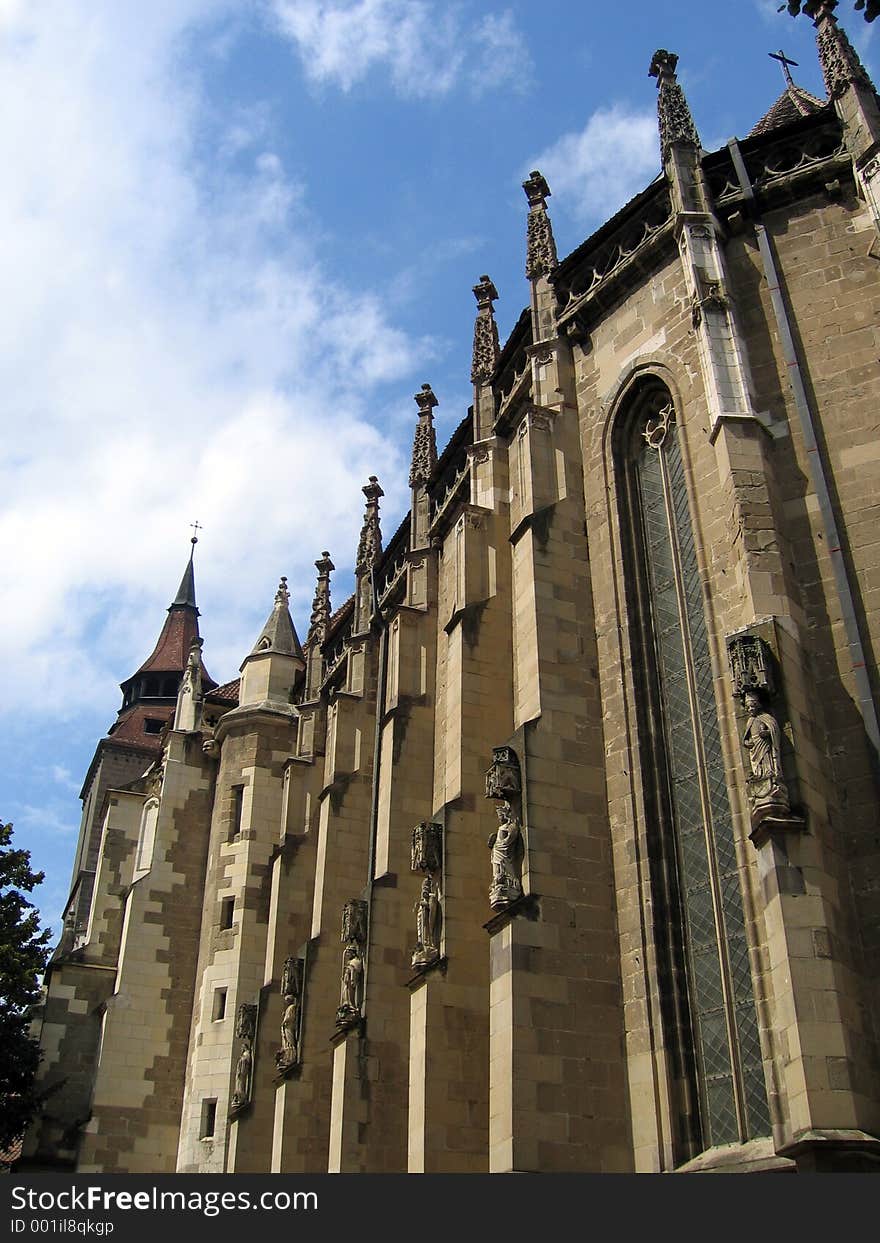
(751, 670)
(750, 665)
(427, 857)
(246, 1031)
(289, 1054)
(427, 847)
(504, 784)
(503, 778)
(353, 937)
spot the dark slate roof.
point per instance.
(792, 104)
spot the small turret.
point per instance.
(268, 673)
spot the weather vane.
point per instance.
(784, 62)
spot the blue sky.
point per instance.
(235, 238)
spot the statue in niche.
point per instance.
(291, 992)
(352, 985)
(427, 910)
(504, 844)
(245, 1029)
(762, 741)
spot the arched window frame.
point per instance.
(711, 1105)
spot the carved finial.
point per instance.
(841, 67)
(282, 595)
(673, 113)
(486, 347)
(370, 542)
(424, 454)
(320, 618)
(541, 257)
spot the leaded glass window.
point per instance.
(709, 1007)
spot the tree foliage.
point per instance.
(870, 8)
(24, 952)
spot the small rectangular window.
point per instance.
(227, 910)
(237, 806)
(219, 1008)
(152, 725)
(209, 1119)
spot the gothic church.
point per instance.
(554, 847)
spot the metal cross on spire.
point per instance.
(196, 526)
(784, 62)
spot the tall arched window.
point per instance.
(708, 1006)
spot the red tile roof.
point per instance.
(172, 647)
(227, 693)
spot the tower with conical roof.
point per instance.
(133, 741)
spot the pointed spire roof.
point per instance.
(279, 635)
(181, 628)
(186, 592)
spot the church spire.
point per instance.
(186, 592)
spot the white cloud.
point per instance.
(172, 349)
(425, 47)
(594, 171)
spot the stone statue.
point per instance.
(762, 741)
(242, 1093)
(291, 991)
(246, 1030)
(427, 910)
(211, 749)
(504, 844)
(352, 985)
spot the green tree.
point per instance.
(24, 952)
(870, 8)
